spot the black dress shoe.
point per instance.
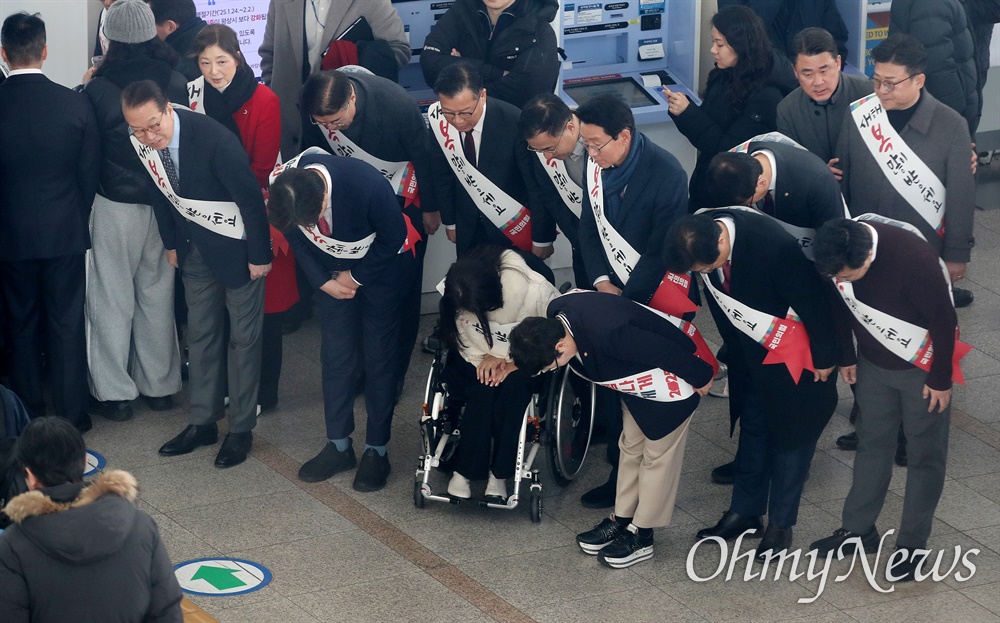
(84, 424)
(732, 525)
(114, 410)
(848, 442)
(372, 472)
(724, 474)
(328, 462)
(234, 449)
(963, 297)
(776, 539)
(602, 496)
(159, 403)
(838, 540)
(190, 438)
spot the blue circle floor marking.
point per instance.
(219, 577)
(95, 463)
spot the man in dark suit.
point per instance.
(350, 237)
(658, 380)
(211, 217)
(552, 132)
(479, 133)
(634, 190)
(370, 118)
(177, 23)
(756, 275)
(50, 155)
(780, 180)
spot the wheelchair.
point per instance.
(558, 420)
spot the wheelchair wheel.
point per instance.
(570, 421)
(418, 496)
(535, 506)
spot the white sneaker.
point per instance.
(459, 487)
(496, 487)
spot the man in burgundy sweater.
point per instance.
(896, 295)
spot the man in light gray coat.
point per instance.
(287, 57)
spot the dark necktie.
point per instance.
(727, 270)
(767, 204)
(469, 147)
(170, 170)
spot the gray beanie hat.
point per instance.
(130, 21)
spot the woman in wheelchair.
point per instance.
(486, 293)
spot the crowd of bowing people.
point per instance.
(166, 167)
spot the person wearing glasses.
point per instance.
(133, 348)
(211, 217)
(634, 191)
(905, 155)
(359, 115)
(552, 132)
(658, 379)
(482, 170)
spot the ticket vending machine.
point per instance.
(629, 48)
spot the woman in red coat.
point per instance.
(229, 93)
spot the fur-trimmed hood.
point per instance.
(75, 522)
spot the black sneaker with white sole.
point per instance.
(627, 550)
(603, 534)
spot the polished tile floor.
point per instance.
(337, 555)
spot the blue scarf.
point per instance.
(617, 178)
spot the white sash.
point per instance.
(655, 384)
(500, 333)
(196, 95)
(331, 246)
(904, 169)
(907, 341)
(754, 324)
(399, 174)
(769, 137)
(571, 193)
(506, 214)
(220, 217)
(619, 252)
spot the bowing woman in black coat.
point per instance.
(741, 98)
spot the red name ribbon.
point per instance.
(787, 342)
(925, 355)
(412, 236)
(672, 295)
(701, 349)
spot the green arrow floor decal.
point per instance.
(219, 577)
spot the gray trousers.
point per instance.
(207, 301)
(887, 397)
(131, 339)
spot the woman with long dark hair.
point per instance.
(741, 97)
(229, 93)
(486, 293)
(132, 347)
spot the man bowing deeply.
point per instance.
(210, 213)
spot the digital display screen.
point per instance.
(625, 89)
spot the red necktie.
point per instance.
(469, 147)
(324, 226)
(727, 270)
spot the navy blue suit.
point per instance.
(780, 420)
(806, 194)
(656, 195)
(368, 325)
(616, 338)
(215, 167)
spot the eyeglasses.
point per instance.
(551, 150)
(336, 124)
(596, 150)
(144, 132)
(891, 86)
(464, 114)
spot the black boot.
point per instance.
(604, 495)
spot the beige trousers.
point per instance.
(648, 473)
